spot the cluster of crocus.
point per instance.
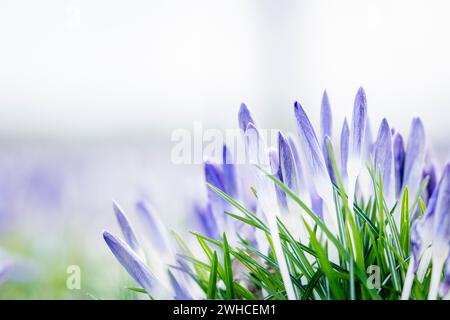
(313, 218)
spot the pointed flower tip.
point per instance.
(326, 119)
(244, 117)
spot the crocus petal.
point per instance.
(267, 198)
(287, 163)
(229, 174)
(155, 228)
(422, 230)
(309, 142)
(207, 221)
(327, 158)
(441, 233)
(244, 117)
(131, 262)
(275, 165)
(414, 157)
(368, 144)
(298, 164)
(180, 293)
(127, 230)
(359, 121)
(383, 155)
(345, 136)
(430, 172)
(326, 119)
(214, 175)
(399, 163)
(442, 216)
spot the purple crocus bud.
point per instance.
(327, 158)
(276, 169)
(430, 172)
(441, 232)
(154, 227)
(127, 231)
(297, 163)
(422, 230)
(414, 157)
(326, 119)
(207, 221)
(345, 136)
(368, 141)
(359, 121)
(315, 165)
(214, 175)
(267, 197)
(131, 262)
(229, 173)
(309, 143)
(180, 293)
(244, 117)
(287, 163)
(357, 140)
(399, 163)
(383, 157)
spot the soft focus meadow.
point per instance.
(95, 204)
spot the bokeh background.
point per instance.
(91, 90)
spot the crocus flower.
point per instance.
(433, 229)
(399, 163)
(345, 137)
(244, 117)
(131, 262)
(127, 231)
(315, 164)
(357, 135)
(414, 157)
(326, 125)
(258, 155)
(383, 160)
(303, 164)
(129, 253)
(441, 232)
(326, 118)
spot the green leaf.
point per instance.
(230, 294)
(211, 294)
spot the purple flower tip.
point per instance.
(214, 175)
(383, 154)
(130, 261)
(359, 122)
(244, 117)
(326, 119)
(126, 228)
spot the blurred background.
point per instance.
(91, 91)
